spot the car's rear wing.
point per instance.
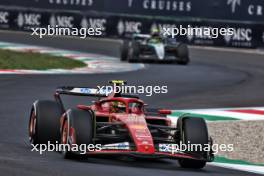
(86, 91)
(82, 91)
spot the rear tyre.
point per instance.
(77, 129)
(182, 54)
(194, 131)
(44, 122)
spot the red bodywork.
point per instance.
(135, 121)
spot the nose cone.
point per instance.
(140, 134)
(146, 148)
(160, 51)
(143, 140)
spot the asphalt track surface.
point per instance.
(214, 79)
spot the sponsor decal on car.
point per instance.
(117, 146)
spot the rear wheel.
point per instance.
(78, 130)
(44, 122)
(182, 54)
(194, 131)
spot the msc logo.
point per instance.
(233, 4)
(162, 27)
(241, 37)
(240, 34)
(28, 19)
(129, 27)
(62, 21)
(4, 17)
(94, 23)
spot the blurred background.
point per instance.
(119, 18)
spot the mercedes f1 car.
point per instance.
(146, 48)
(121, 124)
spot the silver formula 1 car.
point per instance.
(148, 48)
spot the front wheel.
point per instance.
(133, 53)
(77, 131)
(194, 131)
(124, 50)
(194, 164)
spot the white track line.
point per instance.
(221, 113)
(237, 50)
(248, 168)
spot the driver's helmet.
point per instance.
(155, 32)
(136, 110)
(118, 107)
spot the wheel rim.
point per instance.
(64, 135)
(32, 126)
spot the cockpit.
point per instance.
(130, 106)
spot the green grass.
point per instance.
(35, 61)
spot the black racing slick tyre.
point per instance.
(44, 122)
(182, 54)
(192, 164)
(194, 131)
(124, 50)
(134, 51)
(77, 130)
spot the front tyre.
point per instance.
(193, 164)
(133, 53)
(124, 50)
(194, 131)
(77, 130)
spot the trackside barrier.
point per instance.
(246, 35)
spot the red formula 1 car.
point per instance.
(120, 124)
